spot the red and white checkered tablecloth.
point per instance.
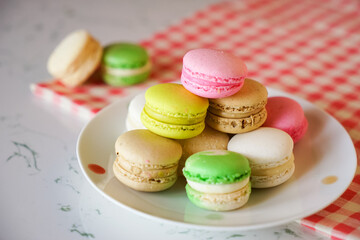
(310, 49)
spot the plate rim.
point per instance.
(275, 92)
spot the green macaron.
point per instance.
(217, 179)
(125, 64)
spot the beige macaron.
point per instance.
(270, 154)
(146, 161)
(242, 112)
(209, 139)
(75, 59)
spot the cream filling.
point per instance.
(147, 170)
(126, 72)
(218, 188)
(273, 170)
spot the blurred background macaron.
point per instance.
(270, 153)
(75, 59)
(174, 112)
(145, 161)
(242, 112)
(125, 64)
(217, 180)
(286, 114)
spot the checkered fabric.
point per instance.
(84, 101)
(310, 49)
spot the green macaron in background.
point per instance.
(125, 64)
(217, 180)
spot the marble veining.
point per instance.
(24, 152)
(76, 229)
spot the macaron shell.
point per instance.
(84, 72)
(219, 202)
(286, 114)
(263, 146)
(144, 147)
(237, 125)
(215, 63)
(249, 99)
(216, 167)
(125, 55)
(209, 139)
(173, 100)
(298, 133)
(174, 131)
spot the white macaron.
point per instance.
(270, 154)
(134, 111)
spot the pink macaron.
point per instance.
(212, 73)
(286, 114)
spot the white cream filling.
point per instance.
(126, 72)
(218, 188)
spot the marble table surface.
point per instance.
(44, 195)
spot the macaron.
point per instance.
(270, 153)
(242, 112)
(172, 111)
(209, 139)
(145, 161)
(212, 73)
(125, 64)
(75, 59)
(286, 114)
(135, 108)
(217, 180)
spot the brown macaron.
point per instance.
(209, 139)
(146, 161)
(242, 112)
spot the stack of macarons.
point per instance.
(79, 55)
(218, 128)
(236, 104)
(230, 139)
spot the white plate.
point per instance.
(326, 150)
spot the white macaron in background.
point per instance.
(134, 111)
